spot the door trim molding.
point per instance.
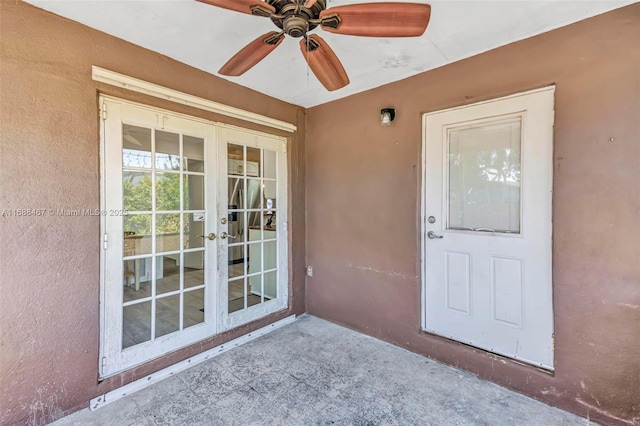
(136, 85)
(551, 87)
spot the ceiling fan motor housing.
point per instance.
(295, 26)
(296, 16)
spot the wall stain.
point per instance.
(388, 273)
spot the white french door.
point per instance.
(487, 226)
(166, 227)
(253, 217)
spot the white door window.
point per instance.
(487, 226)
(162, 178)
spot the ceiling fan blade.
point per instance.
(324, 63)
(377, 19)
(252, 53)
(243, 6)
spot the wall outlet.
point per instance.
(309, 271)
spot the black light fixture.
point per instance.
(387, 116)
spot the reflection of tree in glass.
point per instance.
(167, 223)
(167, 191)
(137, 197)
(168, 199)
(498, 168)
(136, 191)
(167, 161)
(139, 224)
(499, 165)
(136, 158)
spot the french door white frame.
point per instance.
(253, 140)
(113, 360)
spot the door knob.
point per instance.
(433, 236)
(224, 235)
(211, 236)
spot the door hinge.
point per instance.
(284, 146)
(104, 364)
(553, 342)
(105, 241)
(103, 111)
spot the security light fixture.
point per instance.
(387, 116)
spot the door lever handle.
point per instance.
(433, 236)
(224, 235)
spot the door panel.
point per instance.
(487, 226)
(253, 256)
(159, 272)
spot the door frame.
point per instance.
(423, 211)
(218, 326)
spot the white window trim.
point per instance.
(136, 85)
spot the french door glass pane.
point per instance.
(236, 295)
(193, 230)
(194, 192)
(167, 273)
(237, 261)
(193, 308)
(167, 315)
(167, 191)
(484, 177)
(193, 154)
(236, 193)
(136, 324)
(163, 190)
(136, 190)
(137, 234)
(167, 151)
(194, 268)
(167, 232)
(137, 281)
(252, 239)
(136, 146)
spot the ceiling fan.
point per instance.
(298, 17)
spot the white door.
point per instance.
(487, 226)
(252, 206)
(167, 226)
(159, 268)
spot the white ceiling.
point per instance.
(205, 37)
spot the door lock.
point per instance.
(223, 220)
(211, 236)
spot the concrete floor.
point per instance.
(313, 372)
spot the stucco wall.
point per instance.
(49, 144)
(363, 230)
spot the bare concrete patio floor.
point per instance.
(313, 372)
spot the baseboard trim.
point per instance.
(128, 389)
